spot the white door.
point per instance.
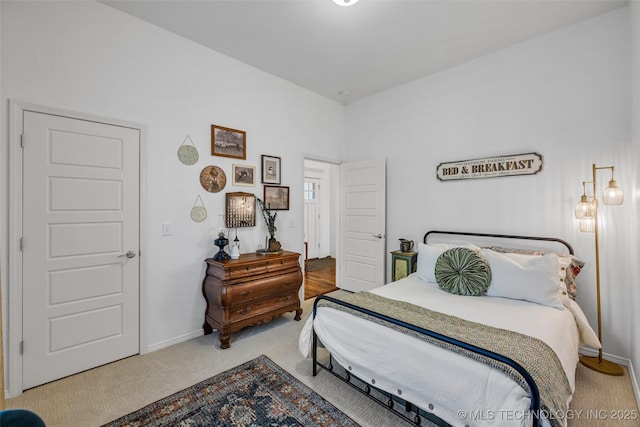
(362, 225)
(80, 219)
(311, 189)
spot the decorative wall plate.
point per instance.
(198, 211)
(188, 154)
(213, 179)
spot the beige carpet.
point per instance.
(100, 395)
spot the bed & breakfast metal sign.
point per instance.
(490, 167)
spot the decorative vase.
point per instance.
(274, 245)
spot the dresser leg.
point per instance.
(207, 328)
(224, 341)
(298, 314)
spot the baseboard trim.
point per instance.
(172, 341)
(634, 383)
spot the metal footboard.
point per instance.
(389, 399)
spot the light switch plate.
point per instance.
(167, 229)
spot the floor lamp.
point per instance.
(587, 214)
(2, 403)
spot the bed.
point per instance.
(504, 357)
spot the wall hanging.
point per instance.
(243, 175)
(240, 210)
(489, 167)
(270, 169)
(198, 211)
(213, 179)
(228, 142)
(188, 153)
(276, 198)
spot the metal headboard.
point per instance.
(489, 236)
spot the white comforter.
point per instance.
(453, 387)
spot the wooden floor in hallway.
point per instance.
(320, 277)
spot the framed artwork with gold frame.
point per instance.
(227, 142)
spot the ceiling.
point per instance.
(348, 53)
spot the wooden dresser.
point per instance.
(250, 290)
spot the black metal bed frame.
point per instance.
(389, 398)
(501, 236)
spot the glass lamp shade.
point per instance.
(613, 195)
(587, 225)
(585, 208)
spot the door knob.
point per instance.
(130, 254)
(377, 236)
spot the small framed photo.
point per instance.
(276, 197)
(243, 175)
(270, 169)
(228, 142)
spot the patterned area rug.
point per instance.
(256, 393)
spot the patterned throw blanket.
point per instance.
(534, 355)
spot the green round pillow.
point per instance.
(462, 271)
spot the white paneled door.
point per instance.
(362, 228)
(81, 191)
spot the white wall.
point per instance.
(634, 13)
(87, 57)
(564, 95)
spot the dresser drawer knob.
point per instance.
(243, 293)
(287, 298)
(244, 310)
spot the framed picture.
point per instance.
(243, 175)
(228, 142)
(270, 169)
(276, 197)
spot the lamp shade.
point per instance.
(587, 225)
(613, 195)
(345, 2)
(585, 208)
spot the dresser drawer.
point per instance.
(249, 270)
(261, 306)
(282, 263)
(240, 294)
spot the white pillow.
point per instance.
(428, 255)
(534, 278)
(564, 260)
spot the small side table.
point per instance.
(403, 264)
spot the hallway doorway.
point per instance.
(321, 184)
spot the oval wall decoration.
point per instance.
(188, 153)
(213, 179)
